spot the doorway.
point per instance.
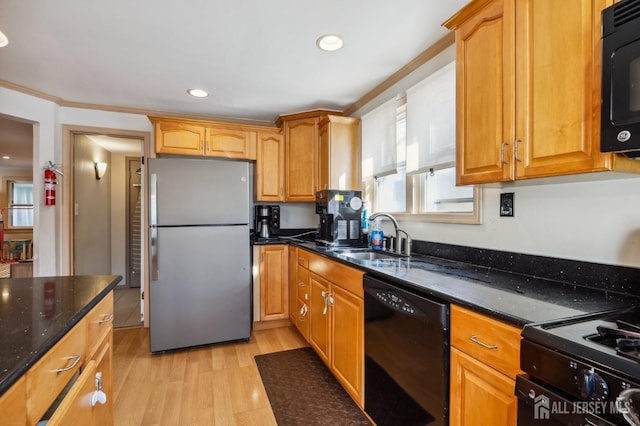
(119, 234)
(134, 220)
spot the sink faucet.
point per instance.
(399, 249)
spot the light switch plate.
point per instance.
(506, 204)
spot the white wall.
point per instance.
(48, 119)
(46, 147)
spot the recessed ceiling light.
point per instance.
(3, 39)
(330, 42)
(6, 157)
(198, 93)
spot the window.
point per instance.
(422, 185)
(20, 203)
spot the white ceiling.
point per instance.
(258, 59)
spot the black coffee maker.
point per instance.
(340, 217)
(267, 221)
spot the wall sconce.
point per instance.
(101, 169)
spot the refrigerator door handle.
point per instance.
(153, 225)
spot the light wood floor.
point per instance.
(212, 385)
(126, 307)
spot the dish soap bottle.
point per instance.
(377, 237)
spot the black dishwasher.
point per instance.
(406, 356)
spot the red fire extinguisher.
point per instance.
(49, 187)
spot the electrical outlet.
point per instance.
(506, 204)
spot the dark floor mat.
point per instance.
(302, 390)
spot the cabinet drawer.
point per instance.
(344, 276)
(99, 321)
(303, 258)
(54, 370)
(490, 341)
(302, 284)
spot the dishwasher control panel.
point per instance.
(395, 301)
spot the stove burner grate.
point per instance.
(625, 339)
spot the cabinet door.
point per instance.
(338, 153)
(555, 87)
(270, 167)
(480, 395)
(274, 290)
(320, 318)
(102, 414)
(230, 143)
(13, 406)
(301, 150)
(347, 356)
(75, 409)
(179, 138)
(485, 84)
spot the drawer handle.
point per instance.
(105, 318)
(76, 360)
(301, 284)
(301, 259)
(474, 339)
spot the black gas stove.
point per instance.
(582, 371)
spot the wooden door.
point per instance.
(230, 143)
(480, 395)
(485, 84)
(274, 290)
(270, 167)
(347, 353)
(300, 153)
(556, 86)
(319, 318)
(179, 138)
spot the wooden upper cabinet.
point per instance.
(534, 113)
(338, 153)
(206, 138)
(230, 143)
(270, 167)
(174, 137)
(301, 142)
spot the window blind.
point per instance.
(379, 156)
(431, 122)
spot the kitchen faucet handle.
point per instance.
(405, 246)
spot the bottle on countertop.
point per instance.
(377, 236)
(364, 224)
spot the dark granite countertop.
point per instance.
(35, 313)
(516, 298)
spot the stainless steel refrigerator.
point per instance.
(200, 274)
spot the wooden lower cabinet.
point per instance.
(13, 405)
(274, 292)
(485, 359)
(319, 317)
(347, 331)
(336, 321)
(59, 386)
(480, 395)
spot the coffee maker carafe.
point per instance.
(267, 221)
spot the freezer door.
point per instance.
(202, 293)
(198, 192)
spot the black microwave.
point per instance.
(620, 110)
